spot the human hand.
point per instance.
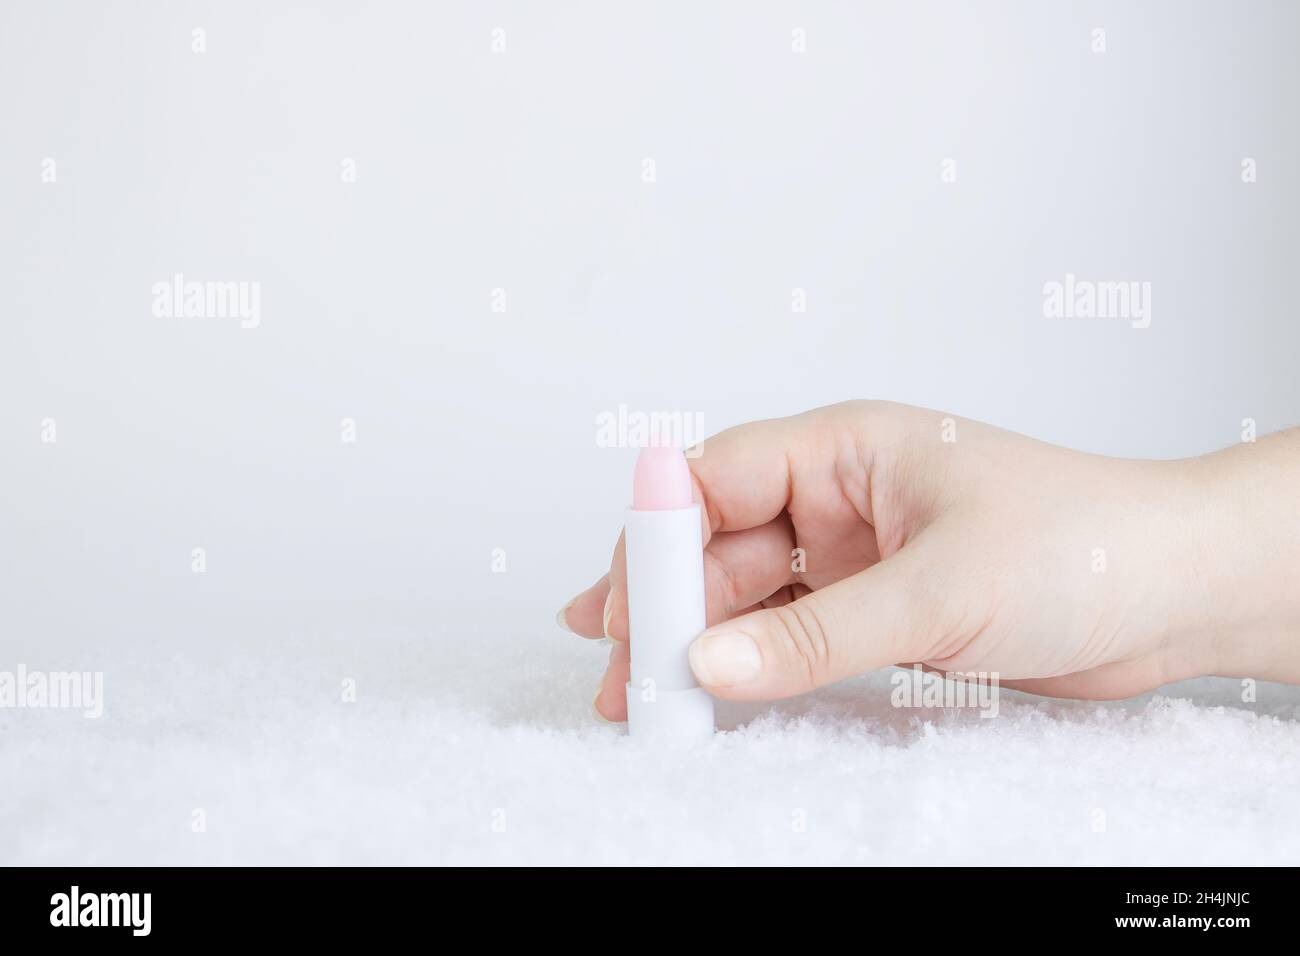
(866, 534)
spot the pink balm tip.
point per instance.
(662, 481)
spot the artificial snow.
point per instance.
(229, 740)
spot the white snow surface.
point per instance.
(484, 750)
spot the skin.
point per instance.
(964, 547)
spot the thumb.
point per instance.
(896, 610)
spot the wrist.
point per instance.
(1243, 518)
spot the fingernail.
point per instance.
(596, 710)
(726, 659)
(609, 612)
(562, 617)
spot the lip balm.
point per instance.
(665, 597)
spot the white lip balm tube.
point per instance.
(665, 597)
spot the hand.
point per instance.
(866, 534)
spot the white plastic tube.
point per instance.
(665, 595)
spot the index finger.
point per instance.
(743, 475)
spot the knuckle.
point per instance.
(729, 588)
(801, 631)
